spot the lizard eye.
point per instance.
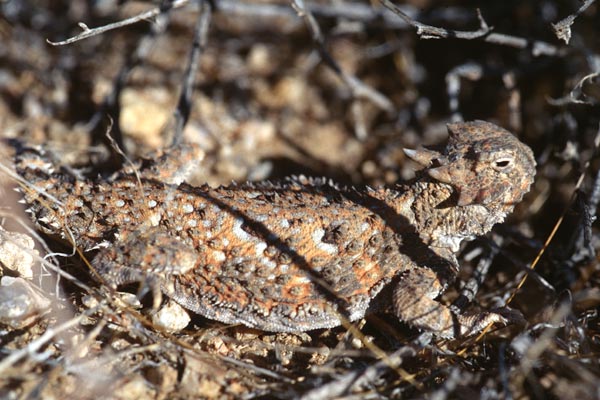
(502, 163)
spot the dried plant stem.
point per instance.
(359, 89)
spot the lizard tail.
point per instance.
(42, 186)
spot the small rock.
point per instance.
(130, 299)
(20, 302)
(17, 252)
(89, 301)
(171, 317)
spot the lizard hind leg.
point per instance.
(150, 258)
(413, 303)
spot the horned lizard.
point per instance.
(296, 255)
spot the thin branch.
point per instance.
(354, 380)
(484, 33)
(576, 95)
(355, 12)
(358, 88)
(35, 345)
(471, 71)
(250, 367)
(471, 288)
(538, 48)
(432, 32)
(111, 105)
(562, 29)
(184, 105)
(352, 11)
(89, 32)
(514, 100)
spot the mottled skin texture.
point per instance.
(302, 254)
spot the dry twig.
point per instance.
(184, 105)
(358, 88)
(356, 379)
(577, 95)
(484, 33)
(562, 29)
(89, 32)
(432, 32)
(471, 71)
(471, 287)
(111, 105)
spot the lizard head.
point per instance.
(484, 163)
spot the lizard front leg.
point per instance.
(413, 303)
(149, 258)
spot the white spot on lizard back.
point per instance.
(239, 232)
(317, 237)
(259, 249)
(218, 256)
(154, 219)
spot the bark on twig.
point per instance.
(576, 95)
(538, 48)
(356, 379)
(432, 32)
(89, 32)
(184, 105)
(471, 71)
(358, 88)
(562, 29)
(111, 105)
(483, 266)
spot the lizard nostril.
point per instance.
(502, 163)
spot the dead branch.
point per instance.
(538, 48)
(484, 33)
(353, 11)
(184, 105)
(471, 287)
(89, 32)
(356, 12)
(111, 105)
(35, 345)
(576, 95)
(432, 32)
(356, 379)
(358, 88)
(562, 29)
(471, 71)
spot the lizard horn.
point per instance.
(443, 174)
(422, 157)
